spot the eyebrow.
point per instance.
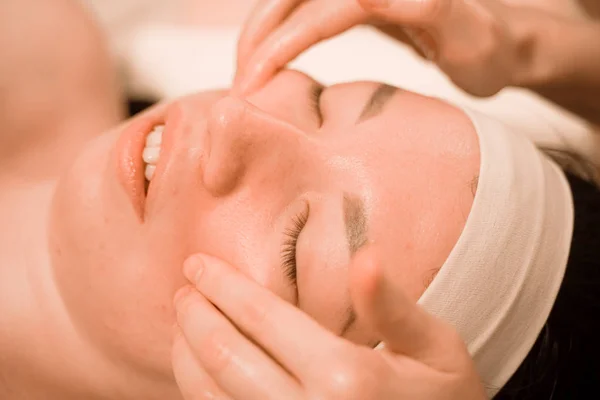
(349, 320)
(376, 103)
(355, 219)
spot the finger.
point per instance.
(194, 383)
(309, 24)
(237, 366)
(291, 337)
(404, 327)
(412, 12)
(263, 19)
(400, 34)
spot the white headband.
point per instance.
(500, 281)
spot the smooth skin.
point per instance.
(239, 341)
(483, 46)
(86, 286)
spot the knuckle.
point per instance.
(344, 381)
(255, 315)
(216, 354)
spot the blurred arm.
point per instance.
(56, 75)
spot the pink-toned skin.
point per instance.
(88, 274)
(231, 185)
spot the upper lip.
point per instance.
(130, 166)
(131, 146)
(171, 121)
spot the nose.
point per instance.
(247, 143)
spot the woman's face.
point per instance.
(355, 163)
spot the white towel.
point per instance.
(500, 281)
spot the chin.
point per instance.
(116, 286)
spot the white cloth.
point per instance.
(500, 281)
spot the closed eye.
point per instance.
(316, 91)
(289, 248)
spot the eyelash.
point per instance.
(288, 251)
(315, 100)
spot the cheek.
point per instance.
(323, 265)
(116, 283)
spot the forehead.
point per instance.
(419, 158)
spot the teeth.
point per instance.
(151, 153)
(150, 172)
(154, 138)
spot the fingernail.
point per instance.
(193, 267)
(181, 294)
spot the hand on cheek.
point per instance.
(193, 381)
(240, 341)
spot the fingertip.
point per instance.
(366, 273)
(181, 294)
(365, 264)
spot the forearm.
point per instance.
(566, 66)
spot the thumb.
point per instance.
(403, 326)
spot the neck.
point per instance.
(43, 354)
(39, 329)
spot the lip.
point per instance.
(130, 166)
(172, 118)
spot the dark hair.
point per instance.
(564, 362)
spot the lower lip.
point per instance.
(130, 167)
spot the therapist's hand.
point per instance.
(237, 340)
(483, 46)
